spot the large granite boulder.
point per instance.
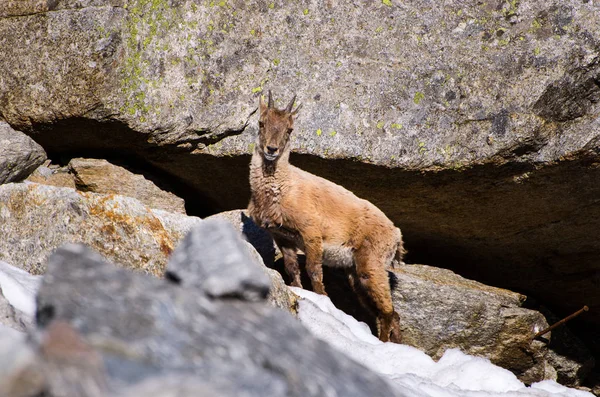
(100, 176)
(440, 310)
(36, 219)
(19, 154)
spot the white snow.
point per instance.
(413, 372)
(19, 288)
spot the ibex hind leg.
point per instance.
(374, 279)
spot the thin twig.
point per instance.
(561, 322)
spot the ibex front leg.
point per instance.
(314, 262)
(290, 261)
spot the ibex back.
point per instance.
(329, 223)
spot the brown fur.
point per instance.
(329, 223)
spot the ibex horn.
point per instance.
(270, 99)
(291, 105)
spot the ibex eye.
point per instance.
(261, 124)
(289, 130)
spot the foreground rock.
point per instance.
(251, 232)
(36, 219)
(145, 329)
(100, 176)
(19, 154)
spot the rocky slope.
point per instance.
(473, 125)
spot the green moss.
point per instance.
(276, 61)
(387, 2)
(511, 8)
(419, 96)
(272, 5)
(251, 147)
(319, 132)
(305, 12)
(257, 89)
(535, 24)
(380, 124)
(333, 133)
(147, 21)
(379, 29)
(537, 51)
(396, 126)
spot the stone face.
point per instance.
(19, 154)
(145, 327)
(212, 258)
(440, 310)
(8, 315)
(260, 239)
(37, 219)
(404, 88)
(53, 176)
(100, 176)
(265, 252)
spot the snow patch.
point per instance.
(455, 375)
(19, 288)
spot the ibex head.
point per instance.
(274, 128)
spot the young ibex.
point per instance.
(330, 224)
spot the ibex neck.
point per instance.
(269, 169)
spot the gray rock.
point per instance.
(19, 154)
(36, 219)
(53, 176)
(260, 239)
(9, 317)
(248, 383)
(280, 295)
(440, 310)
(145, 327)
(213, 259)
(100, 176)
(265, 252)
